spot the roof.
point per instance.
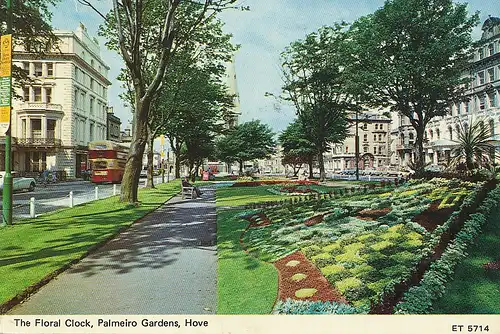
(490, 22)
(443, 142)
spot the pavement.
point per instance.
(165, 263)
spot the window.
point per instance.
(51, 128)
(482, 102)
(450, 132)
(480, 78)
(379, 137)
(374, 137)
(376, 126)
(374, 150)
(381, 126)
(50, 69)
(365, 137)
(76, 98)
(492, 127)
(48, 94)
(365, 149)
(438, 135)
(491, 75)
(23, 128)
(38, 70)
(347, 149)
(26, 67)
(91, 132)
(467, 107)
(82, 100)
(491, 50)
(77, 74)
(380, 150)
(481, 53)
(431, 134)
(459, 107)
(38, 94)
(91, 84)
(26, 94)
(365, 126)
(492, 99)
(92, 106)
(105, 93)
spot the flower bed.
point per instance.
(265, 182)
(369, 246)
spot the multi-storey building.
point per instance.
(64, 108)
(113, 124)
(482, 102)
(374, 149)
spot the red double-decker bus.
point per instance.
(107, 161)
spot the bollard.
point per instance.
(71, 199)
(96, 192)
(369, 177)
(32, 207)
(114, 189)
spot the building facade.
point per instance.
(113, 125)
(64, 108)
(374, 148)
(482, 102)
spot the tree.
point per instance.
(475, 147)
(147, 33)
(32, 30)
(245, 142)
(297, 148)
(411, 55)
(313, 72)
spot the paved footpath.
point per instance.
(164, 264)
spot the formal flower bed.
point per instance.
(367, 246)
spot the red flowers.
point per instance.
(264, 182)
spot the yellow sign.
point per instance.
(162, 140)
(5, 56)
(4, 114)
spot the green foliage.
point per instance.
(291, 306)
(297, 148)
(247, 141)
(427, 52)
(419, 299)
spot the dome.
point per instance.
(491, 21)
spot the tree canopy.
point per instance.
(314, 80)
(297, 148)
(411, 55)
(246, 142)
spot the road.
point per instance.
(56, 196)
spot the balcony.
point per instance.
(40, 106)
(38, 142)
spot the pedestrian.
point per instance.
(45, 176)
(185, 183)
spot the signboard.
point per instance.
(5, 81)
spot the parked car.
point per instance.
(19, 183)
(144, 173)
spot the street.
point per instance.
(56, 196)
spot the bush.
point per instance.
(291, 306)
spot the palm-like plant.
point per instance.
(475, 146)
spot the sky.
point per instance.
(263, 33)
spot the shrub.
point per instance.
(291, 306)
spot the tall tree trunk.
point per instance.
(296, 169)
(191, 170)
(150, 182)
(311, 174)
(241, 167)
(420, 158)
(130, 182)
(321, 161)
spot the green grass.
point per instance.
(473, 290)
(245, 285)
(236, 196)
(33, 249)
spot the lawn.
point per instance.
(34, 249)
(245, 285)
(237, 196)
(473, 290)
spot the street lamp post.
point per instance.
(6, 72)
(356, 148)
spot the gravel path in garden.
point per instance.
(164, 264)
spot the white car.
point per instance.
(19, 182)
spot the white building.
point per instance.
(64, 109)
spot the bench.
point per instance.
(188, 192)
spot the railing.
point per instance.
(41, 106)
(38, 141)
